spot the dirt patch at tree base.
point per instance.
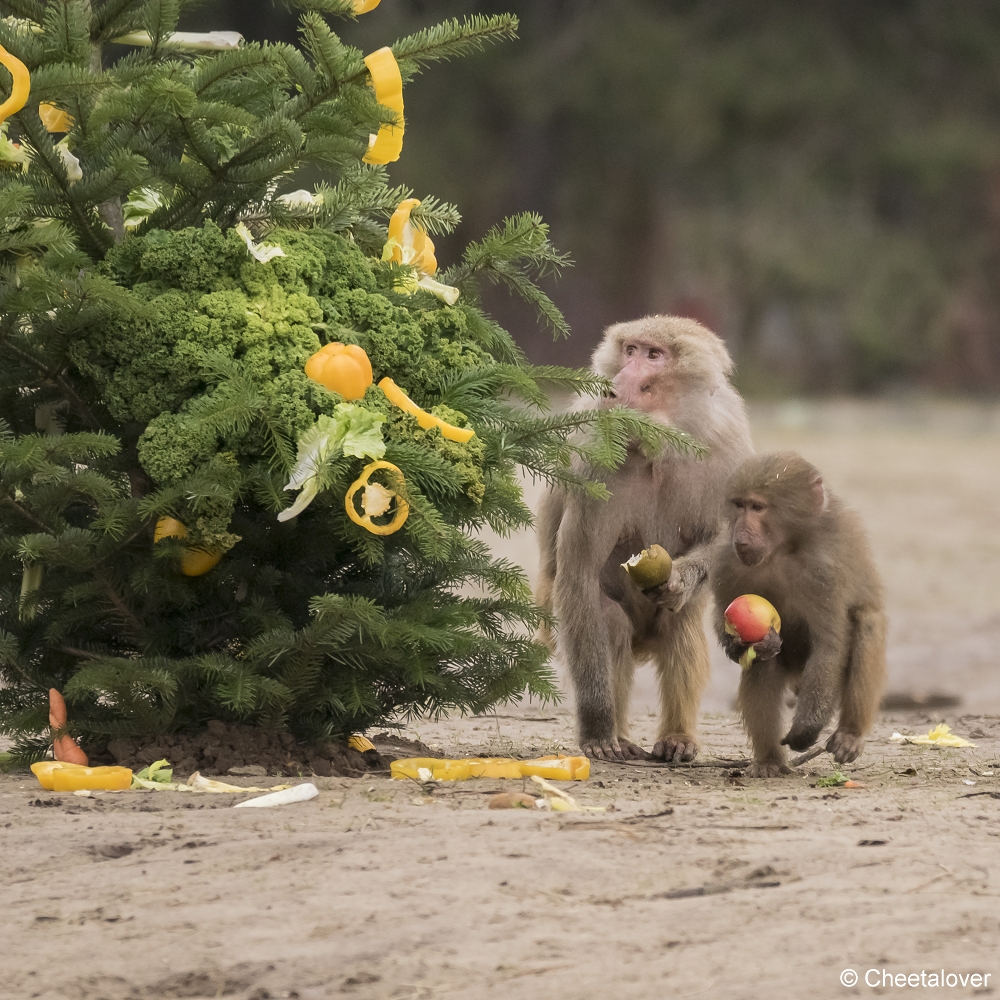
(223, 748)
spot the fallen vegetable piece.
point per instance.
(376, 500)
(212, 40)
(159, 772)
(42, 770)
(556, 767)
(54, 119)
(939, 736)
(71, 779)
(64, 747)
(410, 245)
(20, 84)
(297, 793)
(194, 562)
(197, 783)
(361, 743)
(560, 801)
(426, 420)
(854, 784)
(513, 800)
(386, 145)
(342, 368)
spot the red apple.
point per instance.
(751, 617)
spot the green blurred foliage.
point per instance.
(817, 181)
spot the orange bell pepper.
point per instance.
(386, 146)
(342, 368)
(375, 500)
(194, 562)
(426, 420)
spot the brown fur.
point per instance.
(794, 543)
(606, 625)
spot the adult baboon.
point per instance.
(676, 371)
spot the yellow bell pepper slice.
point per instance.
(194, 562)
(55, 119)
(386, 146)
(555, 767)
(426, 420)
(407, 244)
(20, 86)
(375, 500)
(363, 6)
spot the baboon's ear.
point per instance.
(819, 496)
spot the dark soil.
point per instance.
(248, 751)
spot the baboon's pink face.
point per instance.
(641, 383)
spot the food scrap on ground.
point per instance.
(940, 736)
(558, 768)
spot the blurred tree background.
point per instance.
(818, 182)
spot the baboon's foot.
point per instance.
(769, 768)
(676, 749)
(612, 749)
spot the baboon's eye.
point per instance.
(757, 506)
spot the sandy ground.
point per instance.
(691, 884)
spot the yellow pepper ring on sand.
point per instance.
(379, 503)
(55, 119)
(388, 83)
(20, 87)
(410, 245)
(426, 420)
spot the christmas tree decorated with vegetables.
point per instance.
(248, 432)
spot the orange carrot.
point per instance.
(64, 747)
(57, 709)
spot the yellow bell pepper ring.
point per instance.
(408, 244)
(376, 500)
(386, 146)
(342, 368)
(426, 420)
(554, 767)
(55, 119)
(58, 776)
(194, 562)
(20, 86)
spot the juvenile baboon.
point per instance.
(794, 543)
(678, 372)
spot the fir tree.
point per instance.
(152, 354)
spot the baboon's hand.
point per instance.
(734, 646)
(800, 739)
(684, 580)
(845, 747)
(768, 647)
(612, 749)
(678, 749)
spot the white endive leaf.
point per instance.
(214, 40)
(258, 250)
